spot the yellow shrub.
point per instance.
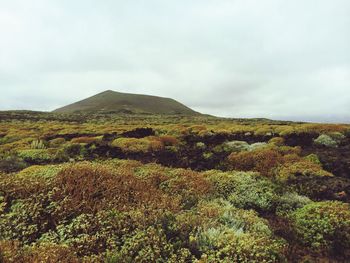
(133, 145)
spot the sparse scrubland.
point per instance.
(149, 188)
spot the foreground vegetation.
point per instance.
(121, 188)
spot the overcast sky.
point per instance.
(280, 59)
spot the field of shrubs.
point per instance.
(113, 188)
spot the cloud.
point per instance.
(242, 58)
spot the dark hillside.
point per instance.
(111, 101)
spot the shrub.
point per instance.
(89, 234)
(134, 145)
(281, 162)
(40, 171)
(86, 188)
(148, 245)
(244, 189)
(168, 140)
(223, 244)
(235, 235)
(11, 251)
(83, 139)
(254, 193)
(262, 160)
(257, 145)
(240, 146)
(236, 146)
(291, 171)
(326, 140)
(290, 202)
(57, 142)
(22, 186)
(324, 226)
(278, 141)
(26, 220)
(313, 158)
(189, 186)
(36, 155)
(72, 150)
(201, 145)
(38, 144)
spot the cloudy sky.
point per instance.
(278, 59)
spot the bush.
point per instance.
(282, 162)
(22, 185)
(189, 186)
(313, 158)
(240, 146)
(325, 140)
(235, 235)
(38, 144)
(57, 142)
(134, 145)
(27, 220)
(40, 172)
(148, 245)
(88, 188)
(72, 150)
(245, 190)
(89, 234)
(168, 140)
(278, 141)
(262, 160)
(83, 139)
(291, 171)
(324, 226)
(236, 146)
(36, 155)
(290, 202)
(11, 251)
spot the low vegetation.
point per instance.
(148, 188)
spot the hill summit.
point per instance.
(116, 102)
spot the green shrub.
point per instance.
(27, 219)
(313, 158)
(236, 146)
(337, 136)
(38, 144)
(326, 140)
(36, 155)
(290, 202)
(245, 190)
(324, 226)
(43, 171)
(148, 245)
(223, 244)
(201, 145)
(89, 234)
(278, 141)
(241, 146)
(235, 235)
(255, 193)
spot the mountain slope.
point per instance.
(112, 101)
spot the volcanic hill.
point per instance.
(111, 101)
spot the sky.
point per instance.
(277, 59)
